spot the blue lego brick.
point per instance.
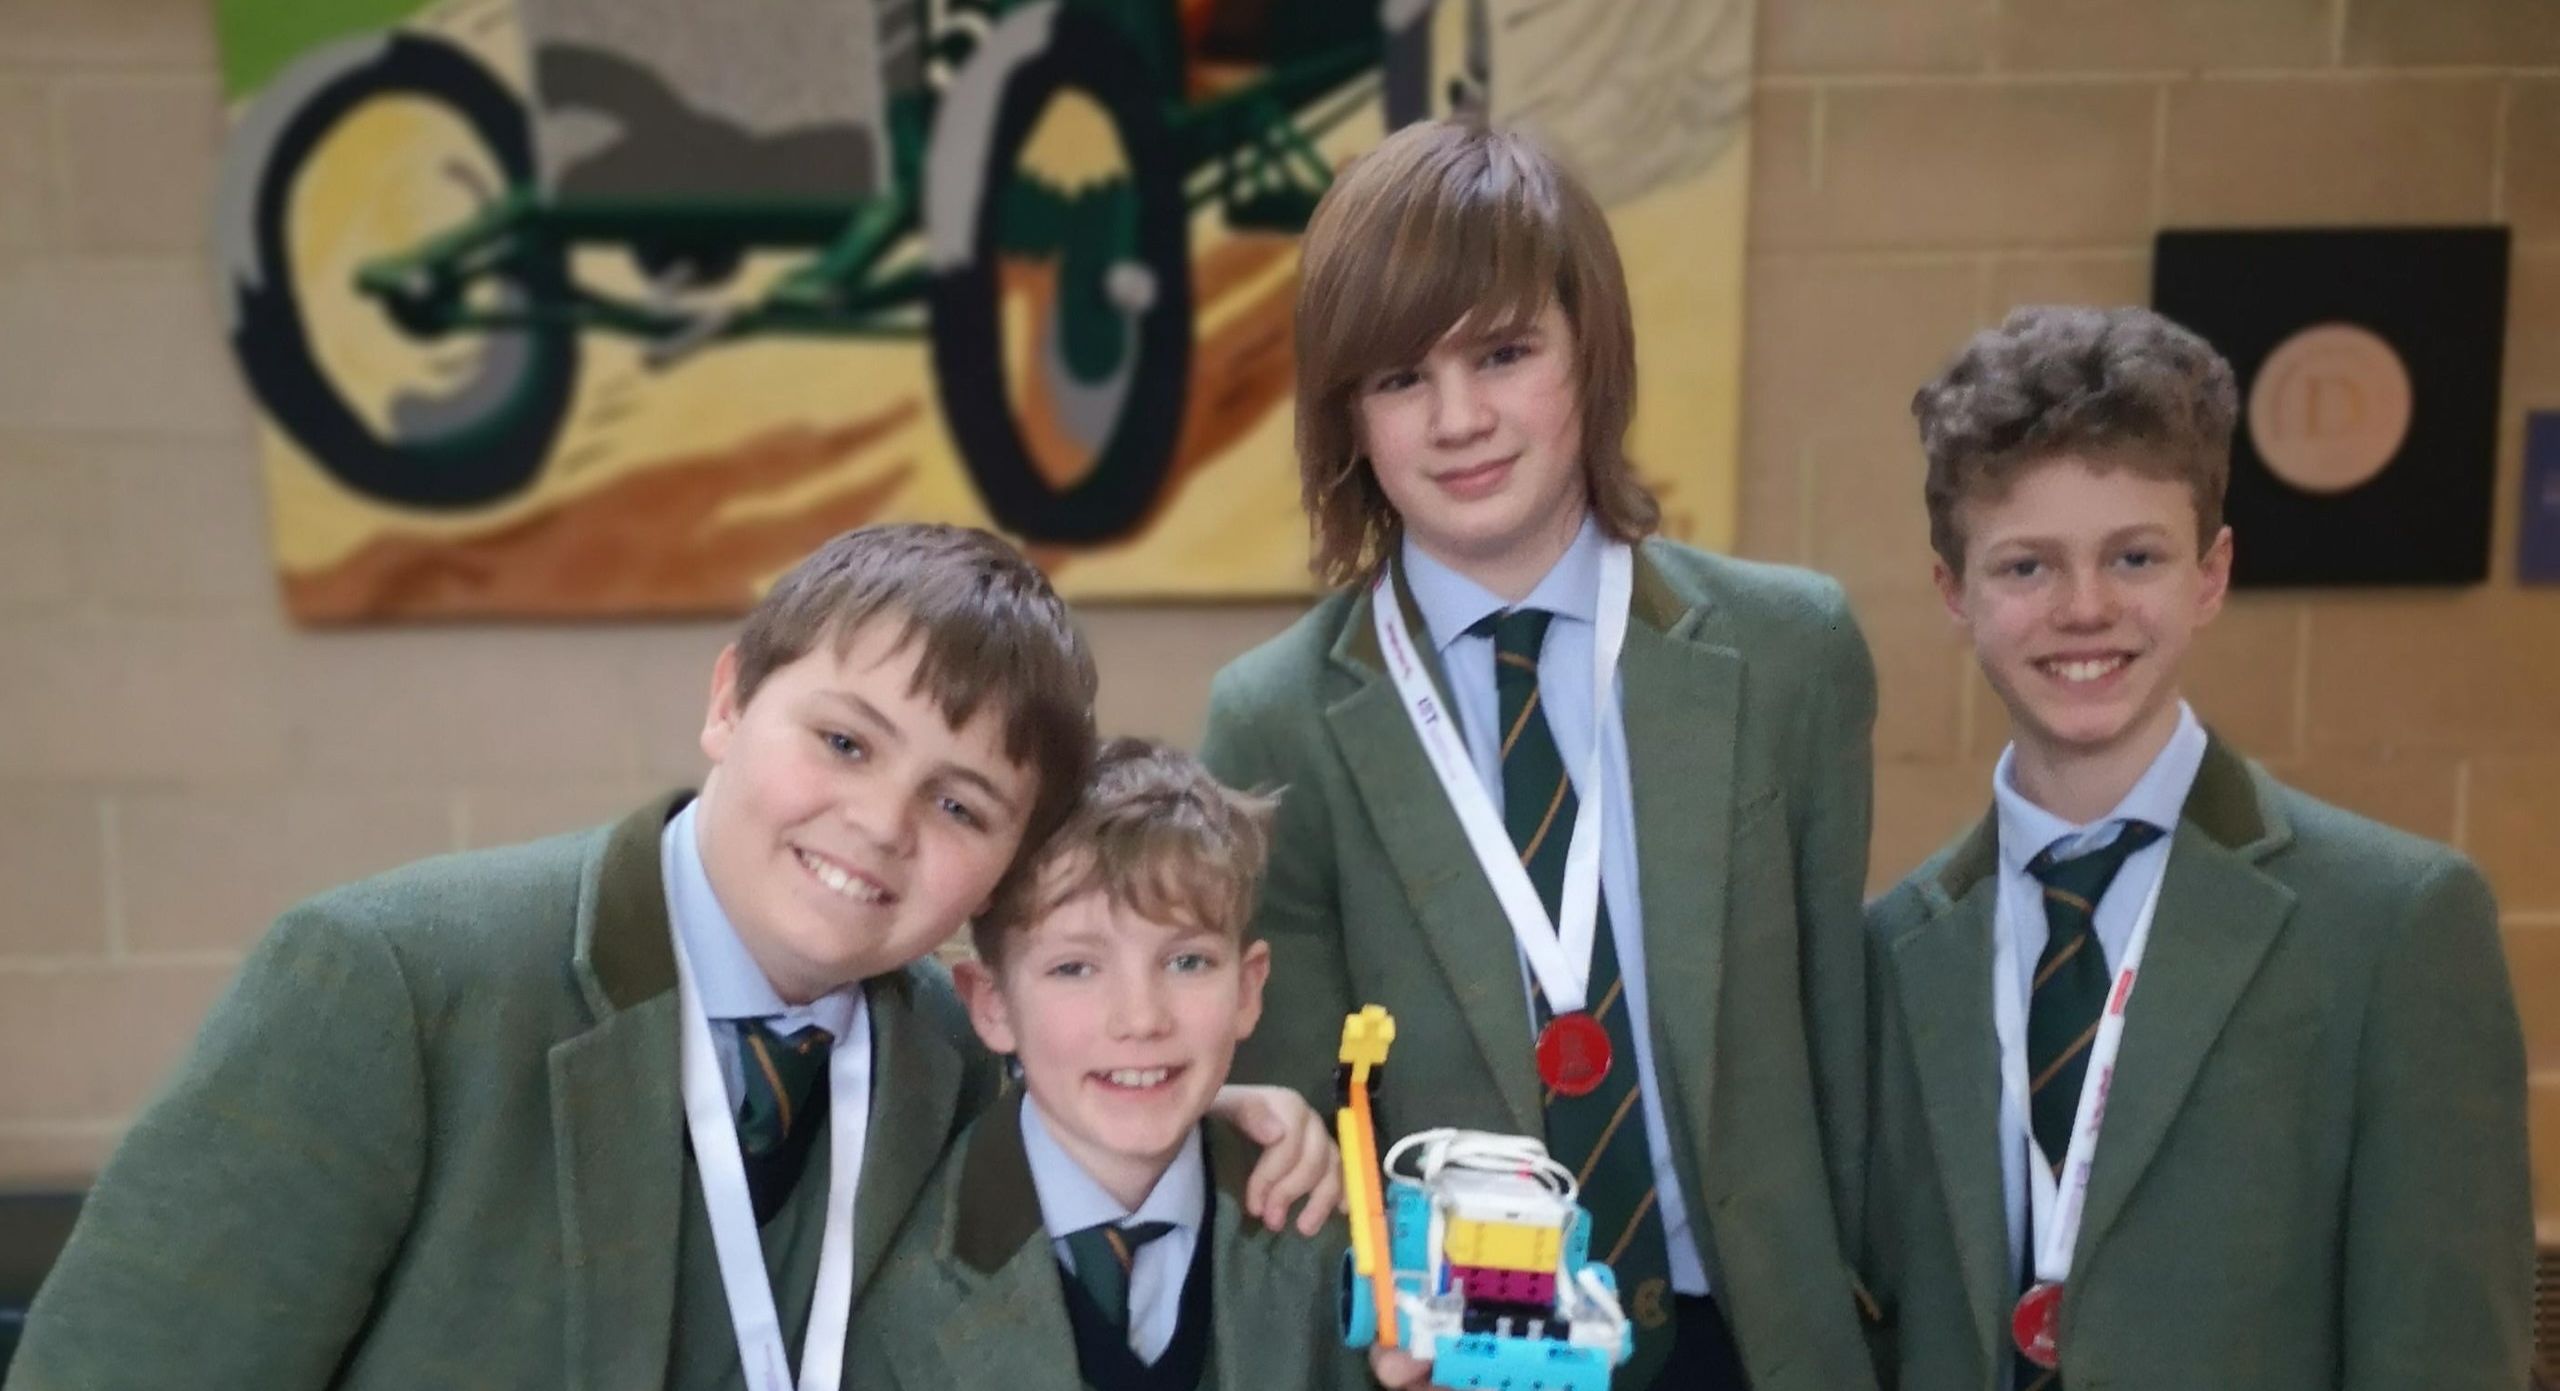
(1408, 1226)
(1485, 1362)
(1577, 1239)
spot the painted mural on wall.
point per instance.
(581, 307)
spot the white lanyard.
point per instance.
(708, 1116)
(1559, 955)
(2057, 1204)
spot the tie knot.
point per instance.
(2087, 875)
(781, 1070)
(1517, 633)
(807, 1041)
(1104, 1255)
(1118, 1241)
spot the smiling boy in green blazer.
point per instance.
(2301, 1162)
(1466, 374)
(1091, 1231)
(635, 1107)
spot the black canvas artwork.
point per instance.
(2368, 363)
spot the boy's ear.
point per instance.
(988, 1013)
(1950, 588)
(1252, 970)
(2216, 564)
(720, 719)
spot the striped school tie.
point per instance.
(778, 1072)
(2063, 1009)
(1600, 1135)
(1105, 1254)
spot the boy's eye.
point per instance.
(2024, 567)
(959, 811)
(2140, 559)
(1192, 962)
(1506, 354)
(1398, 380)
(841, 745)
(1070, 970)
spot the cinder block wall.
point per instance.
(176, 764)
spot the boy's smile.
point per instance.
(1478, 446)
(1125, 1028)
(846, 827)
(2082, 590)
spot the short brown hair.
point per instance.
(1156, 832)
(1444, 223)
(2120, 388)
(990, 626)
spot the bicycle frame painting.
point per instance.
(583, 307)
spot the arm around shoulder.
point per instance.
(2439, 1237)
(237, 1235)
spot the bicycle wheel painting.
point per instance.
(584, 307)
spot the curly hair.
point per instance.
(2117, 388)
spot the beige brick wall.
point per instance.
(176, 764)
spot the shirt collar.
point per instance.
(1070, 1199)
(1451, 603)
(733, 987)
(2158, 798)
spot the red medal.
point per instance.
(1573, 1054)
(2037, 1324)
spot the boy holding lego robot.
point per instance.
(1585, 810)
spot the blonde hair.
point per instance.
(1154, 831)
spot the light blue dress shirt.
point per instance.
(2026, 829)
(734, 988)
(1070, 1201)
(1450, 604)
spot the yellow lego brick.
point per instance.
(1458, 1244)
(1367, 1035)
(1503, 1246)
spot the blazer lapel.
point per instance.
(1260, 1277)
(1450, 897)
(1681, 698)
(616, 1116)
(915, 1089)
(2218, 915)
(1943, 971)
(1009, 1322)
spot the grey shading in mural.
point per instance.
(1634, 96)
(670, 98)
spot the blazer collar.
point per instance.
(616, 1114)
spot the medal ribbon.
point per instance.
(762, 1352)
(1559, 955)
(2058, 1204)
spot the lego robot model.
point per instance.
(1468, 1250)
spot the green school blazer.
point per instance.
(1749, 699)
(2313, 1172)
(971, 1294)
(433, 1138)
